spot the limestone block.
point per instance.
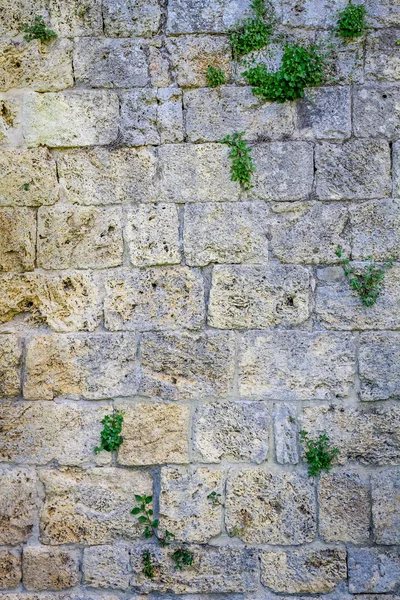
(154, 434)
(195, 173)
(170, 115)
(72, 595)
(14, 14)
(182, 366)
(127, 19)
(382, 62)
(10, 366)
(344, 64)
(370, 437)
(376, 111)
(152, 235)
(383, 13)
(17, 239)
(185, 506)
(66, 302)
(311, 13)
(27, 177)
(314, 571)
(358, 169)
(324, 113)
(18, 504)
(296, 365)
(205, 16)
(386, 506)
(257, 297)
(270, 508)
(76, 118)
(344, 507)
(107, 567)
(79, 237)
(110, 63)
(41, 432)
(286, 434)
(159, 67)
(50, 568)
(75, 17)
(379, 360)
(376, 230)
(339, 307)
(103, 176)
(237, 432)
(10, 569)
(155, 298)
(226, 233)
(11, 132)
(373, 570)
(91, 507)
(309, 232)
(93, 366)
(211, 114)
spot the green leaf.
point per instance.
(135, 511)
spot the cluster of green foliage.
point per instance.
(214, 498)
(253, 33)
(182, 557)
(318, 453)
(110, 437)
(148, 568)
(242, 165)
(38, 31)
(367, 284)
(301, 67)
(215, 77)
(351, 22)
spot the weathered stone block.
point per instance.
(383, 13)
(373, 570)
(375, 228)
(17, 239)
(344, 64)
(186, 508)
(376, 112)
(78, 118)
(296, 365)
(226, 233)
(162, 298)
(270, 508)
(91, 507)
(258, 297)
(19, 500)
(50, 568)
(382, 61)
(82, 594)
(180, 366)
(107, 567)
(344, 507)
(359, 169)
(379, 360)
(10, 569)
(11, 118)
(159, 67)
(303, 571)
(311, 13)
(125, 19)
(154, 434)
(10, 366)
(110, 63)
(101, 365)
(170, 115)
(286, 434)
(237, 431)
(201, 16)
(152, 235)
(395, 167)
(79, 237)
(386, 506)
(325, 113)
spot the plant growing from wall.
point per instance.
(182, 558)
(253, 33)
(110, 436)
(38, 31)
(214, 498)
(215, 77)
(242, 166)
(351, 22)
(318, 453)
(148, 568)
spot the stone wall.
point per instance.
(135, 274)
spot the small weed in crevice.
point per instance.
(214, 498)
(215, 77)
(148, 567)
(182, 557)
(26, 187)
(110, 436)
(38, 31)
(145, 517)
(351, 22)
(318, 453)
(242, 166)
(253, 33)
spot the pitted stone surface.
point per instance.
(50, 568)
(376, 230)
(382, 56)
(19, 500)
(201, 16)
(10, 366)
(18, 239)
(376, 111)
(379, 358)
(386, 506)
(107, 567)
(126, 18)
(311, 13)
(286, 434)
(10, 569)
(325, 113)
(373, 570)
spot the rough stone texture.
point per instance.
(10, 366)
(179, 366)
(154, 434)
(18, 239)
(257, 297)
(226, 233)
(91, 507)
(270, 508)
(11, 118)
(10, 569)
(70, 595)
(126, 18)
(18, 504)
(237, 432)
(311, 13)
(382, 56)
(376, 111)
(106, 567)
(50, 568)
(162, 298)
(379, 358)
(344, 508)
(325, 113)
(373, 570)
(286, 434)
(296, 365)
(206, 16)
(386, 506)
(304, 570)
(358, 169)
(376, 230)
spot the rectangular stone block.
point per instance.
(19, 501)
(375, 228)
(17, 239)
(286, 434)
(324, 113)
(296, 365)
(91, 507)
(182, 366)
(77, 118)
(376, 111)
(205, 16)
(129, 19)
(170, 115)
(386, 506)
(383, 13)
(379, 360)
(107, 567)
(311, 13)
(258, 297)
(154, 434)
(50, 568)
(344, 63)
(373, 570)
(236, 432)
(101, 365)
(358, 169)
(10, 366)
(79, 237)
(10, 569)
(270, 508)
(382, 61)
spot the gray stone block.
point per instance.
(379, 366)
(373, 570)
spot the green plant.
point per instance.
(253, 33)
(242, 165)
(318, 453)
(110, 437)
(214, 498)
(148, 568)
(302, 66)
(182, 558)
(37, 31)
(215, 77)
(351, 22)
(26, 187)
(150, 525)
(368, 284)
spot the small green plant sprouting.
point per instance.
(367, 284)
(215, 77)
(351, 22)
(26, 187)
(38, 31)
(253, 33)
(150, 525)
(148, 568)
(110, 436)
(182, 558)
(214, 498)
(318, 453)
(242, 166)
